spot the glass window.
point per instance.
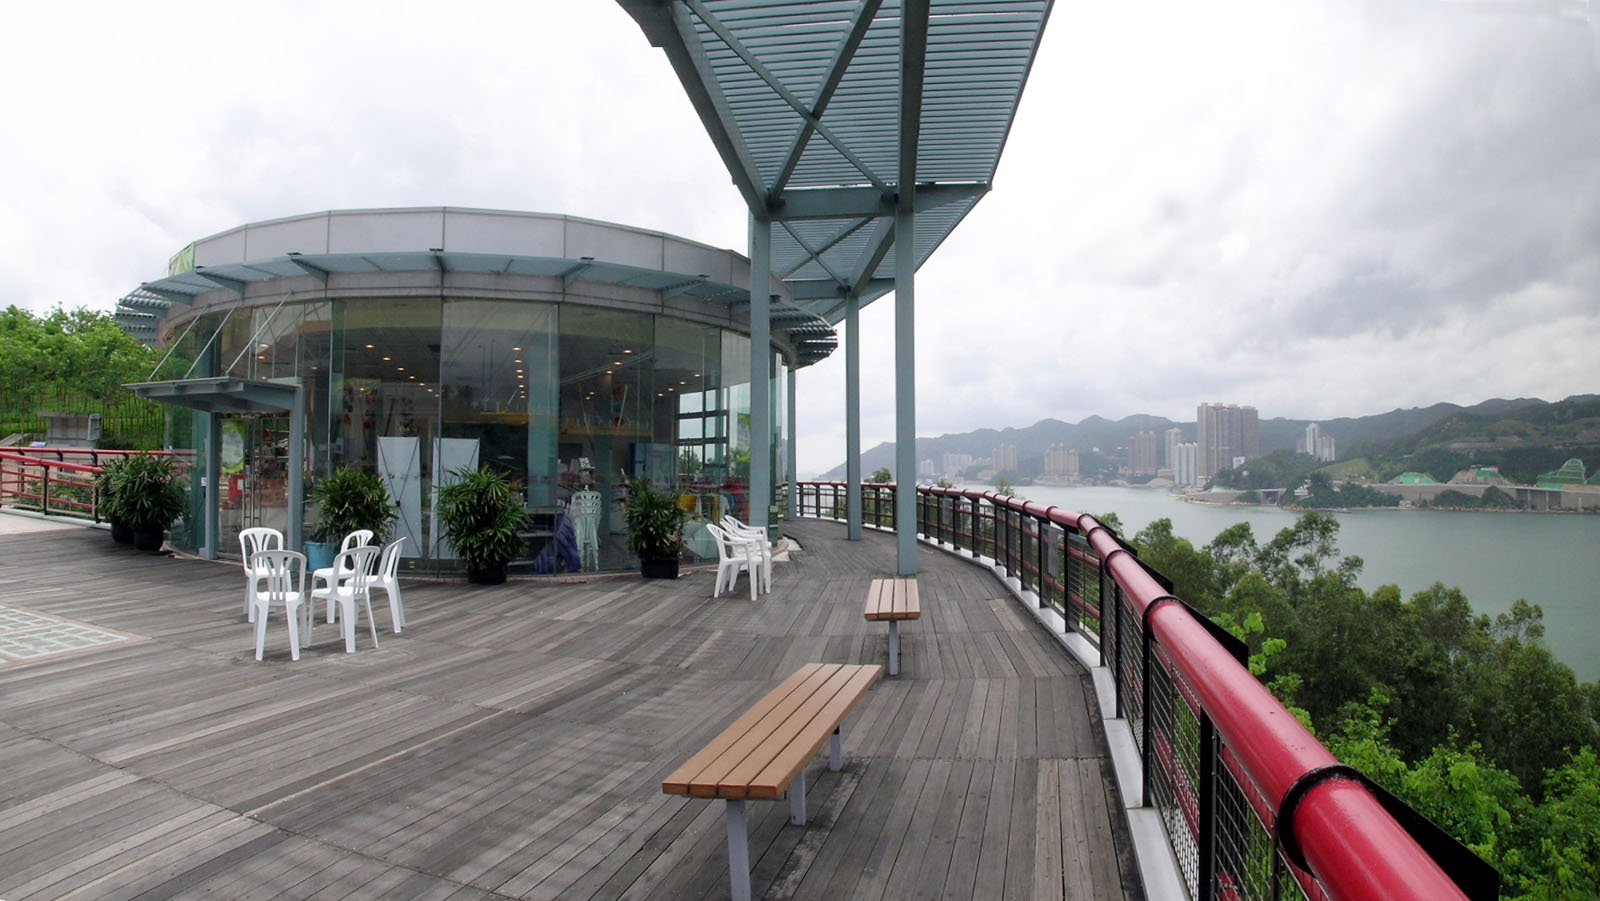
(734, 395)
(607, 423)
(384, 402)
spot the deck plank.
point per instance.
(512, 742)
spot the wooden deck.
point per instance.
(512, 742)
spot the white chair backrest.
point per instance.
(729, 547)
(256, 540)
(357, 562)
(586, 503)
(358, 538)
(286, 573)
(389, 566)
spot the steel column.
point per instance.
(213, 498)
(760, 370)
(852, 416)
(905, 390)
(792, 510)
(297, 467)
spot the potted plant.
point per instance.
(106, 485)
(655, 529)
(348, 500)
(149, 498)
(483, 519)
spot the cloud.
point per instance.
(1325, 208)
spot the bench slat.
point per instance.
(787, 764)
(773, 736)
(889, 599)
(681, 779)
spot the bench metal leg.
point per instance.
(738, 850)
(797, 800)
(894, 647)
(835, 752)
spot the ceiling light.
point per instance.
(387, 359)
(608, 372)
(627, 350)
(261, 346)
(261, 356)
(659, 394)
(683, 383)
(369, 347)
(516, 348)
(516, 361)
(412, 377)
(400, 369)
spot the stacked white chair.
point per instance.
(388, 578)
(285, 577)
(585, 511)
(757, 538)
(345, 592)
(330, 574)
(251, 542)
(734, 555)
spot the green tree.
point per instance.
(881, 476)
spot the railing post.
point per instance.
(1038, 540)
(1144, 710)
(44, 490)
(1208, 808)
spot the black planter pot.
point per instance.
(495, 575)
(659, 569)
(148, 541)
(121, 533)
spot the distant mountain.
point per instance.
(1109, 439)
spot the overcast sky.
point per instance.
(1320, 207)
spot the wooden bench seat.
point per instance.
(765, 752)
(893, 600)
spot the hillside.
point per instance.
(1530, 421)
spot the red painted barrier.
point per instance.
(1351, 844)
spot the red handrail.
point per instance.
(1355, 849)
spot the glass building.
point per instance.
(568, 353)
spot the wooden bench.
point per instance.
(764, 753)
(893, 600)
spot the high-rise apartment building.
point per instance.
(1226, 433)
(1184, 454)
(954, 464)
(1169, 457)
(1060, 462)
(1142, 454)
(1005, 458)
(1316, 444)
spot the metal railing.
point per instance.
(59, 481)
(48, 486)
(1254, 806)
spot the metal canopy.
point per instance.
(221, 395)
(803, 101)
(139, 313)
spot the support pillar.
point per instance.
(297, 469)
(760, 370)
(852, 416)
(213, 500)
(792, 509)
(905, 392)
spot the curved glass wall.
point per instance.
(562, 397)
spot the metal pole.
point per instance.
(852, 416)
(213, 495)
(793, 509)
(905, 387)
(297, 468)
(760, 369)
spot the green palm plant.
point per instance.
(483, 518)
(348, 500)
(149, 497)
(655, 525)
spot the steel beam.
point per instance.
(865, 13)
(905, 395)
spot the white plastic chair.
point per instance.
(585, 509)
(345, 592)
(252, 541)
(758, 539)
(285, 577)
(326, 575)
(734, 556)
(388, 578)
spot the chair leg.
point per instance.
(292, 617)
(347, 624)
(372, 621)
(261, 632)
(397, 615)
(250, 600)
